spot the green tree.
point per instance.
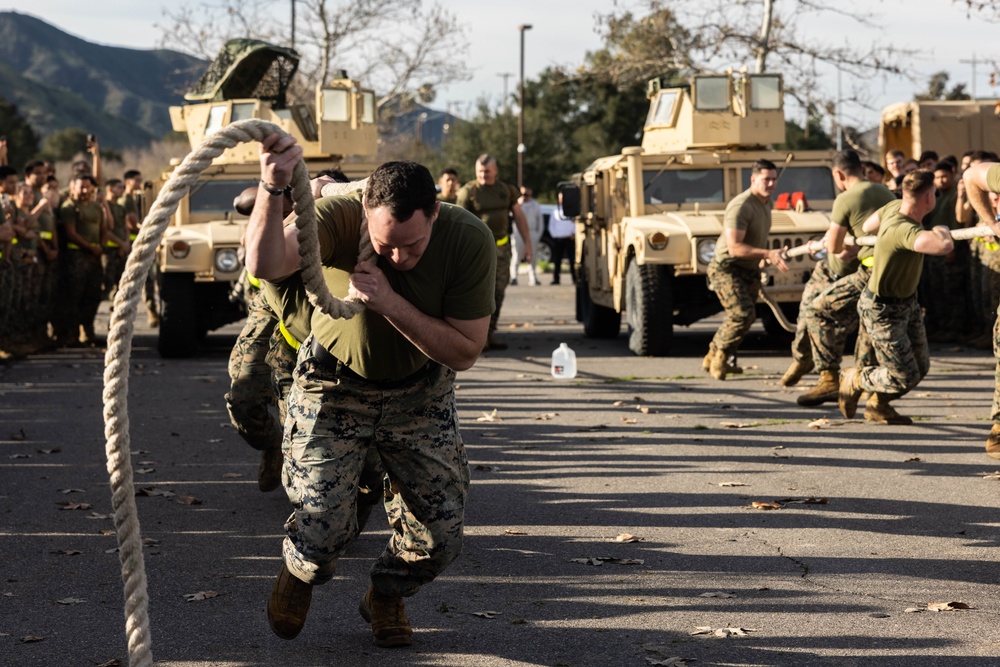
(937, 89)
(22, 142)
(810, 137)
(64, 144)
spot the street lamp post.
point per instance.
(520, 115)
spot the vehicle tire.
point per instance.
(598, 321)
(179, 331)
(543, 253)
(649, 309)
(773, 327)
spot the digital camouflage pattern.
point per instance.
(502, 279)
(821, 278)
(333, 422)
(251, 393)
(833, 317)
(995, 414)
(737, 289)
(899, 342)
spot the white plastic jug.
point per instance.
(563, 363)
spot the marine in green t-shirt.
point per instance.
(897, 268)
(851, 208)
(749, 214)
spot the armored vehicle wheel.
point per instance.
(649, 309)
(179, 330)
(598, 321)
(773, 327)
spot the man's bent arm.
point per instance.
(522, 226)
(450, 342)
(272, 252)
(936, 241)
(978, 193)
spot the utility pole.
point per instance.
(973, 63)
(520, 115)
(505, 76)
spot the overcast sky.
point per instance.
(563, 31)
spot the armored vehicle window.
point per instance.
(662, 113)
(242, 111)
(368, 110)
(711, 93)
(814, 182)
(765, 92)
(336, 105)
(217, 196)
(215, 116)
(683, 186)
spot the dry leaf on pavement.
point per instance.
(629, 420)
(19, 456)
(66, 505)
(619, 404)
(486, 614)
(717, 594)
(67, 552)
(732, 484)
(486, 468)
(490, 417)
(31, 638)
(991, 475)
(739, 424)
(71, 601)
(114, 662)
(645, 410)
(601, 560)
(18, 436)
(188, 500)
(802, 501)
(626, 537)
(947, 606)
(200, 595)
(547, 416)
(95, 515)
(54, 450)
(511, 531)
(231, 475)
(764, 506)
(145, 471)
(72, 490)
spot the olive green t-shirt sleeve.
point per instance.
(67, 215)
(464, 199)
(841, 214)
(338, 228)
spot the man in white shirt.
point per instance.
(533, 214)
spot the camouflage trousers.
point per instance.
(737, 289)
(502, 279)
(333, 421)
(899, 342)
(833, 317)
(83, 291)
(820, 279)
(251, 393)
(995, 414)
(114, 266)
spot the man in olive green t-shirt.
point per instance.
(495, 202)
(80, 293)
(383, 379)
(734, 271)
(831, 315)
(890, 314)
(981, 181)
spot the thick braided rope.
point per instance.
(119, 350)
(963, 234)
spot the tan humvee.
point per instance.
(648, 219)
(947, 127)
(198, 259)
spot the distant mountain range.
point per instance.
(119, 94)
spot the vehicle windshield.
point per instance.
(683, 186)
(814, 182)
(217, 196)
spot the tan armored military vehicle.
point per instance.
(648, 219)
(948, 127)
(198, 259)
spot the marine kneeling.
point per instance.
(890, 314)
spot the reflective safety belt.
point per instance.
(289, 338)
(503, 241)
(253, 280)
(72, 246)
(45, 236)
(868, 261)
(110, 244)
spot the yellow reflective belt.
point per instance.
(47, 236)
(289, 338)
(868, 261)
(14, 241)
(255, 281)
(110, 244)
(72, 246)
(133, 236)
(503, 241)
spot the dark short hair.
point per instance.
(31, 166)
(917, 183)
(929, 155)
(895, 152)
(848, 162)
(337, 175)
(132, 173)
(761, 165)
(81, 165)
(868, 164)
(84, 177)
(486, 158)
(448, 172)
(51, 179)
(403, 187)
(112, 182)
(944, 166)
(951, 159)
(7, 171)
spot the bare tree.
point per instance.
(708, 35)
(426, 44)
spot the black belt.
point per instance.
(331, 362)
(888, 300)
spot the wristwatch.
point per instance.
(277, 192)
